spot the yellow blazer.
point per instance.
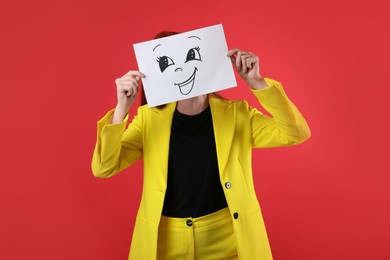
(237, 128)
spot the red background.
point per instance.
(325, 199)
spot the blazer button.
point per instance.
(228, 185)
(235, 215)
(189, 222)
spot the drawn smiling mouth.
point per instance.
(185, 87)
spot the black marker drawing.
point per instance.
(193, 54)
(164, 62)
(194, 37)
(189, 82)
(156, 46)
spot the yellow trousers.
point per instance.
(208, 237)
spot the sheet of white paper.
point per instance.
(185, 65)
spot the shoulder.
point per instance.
(230, 103)
(146, 111)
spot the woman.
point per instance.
(198, 199)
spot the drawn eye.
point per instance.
(164, 62)
(193, 54)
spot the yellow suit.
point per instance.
(237, 128)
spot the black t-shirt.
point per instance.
(194, 188)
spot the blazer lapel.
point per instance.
(224, 118)
(162, 122)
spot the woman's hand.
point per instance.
(247, 65)
(127, 89)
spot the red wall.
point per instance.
(325, 199)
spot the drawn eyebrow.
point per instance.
(156, 46)
(194, 37)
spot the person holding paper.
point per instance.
(198, 199)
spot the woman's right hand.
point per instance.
(127, 89)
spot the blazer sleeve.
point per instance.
(286, 127)
(117, 147)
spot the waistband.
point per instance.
(196, 222)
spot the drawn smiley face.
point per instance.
(168, 65)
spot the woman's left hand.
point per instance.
(247, 65)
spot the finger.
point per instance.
(238, 60)
(232, 52)
(131, 76)
(130, 72)
(126, 86)
(245, 57)
(124, 79)
(135, 81)
(246, 60)
(128, 78)
(241, 58)
(139, 74)
(129, 91)
(135, 73)
(233, 60)
(132, 92)
(243, 62)
(249, 62)
(253, 60)
(134, 85)
(125, 90)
